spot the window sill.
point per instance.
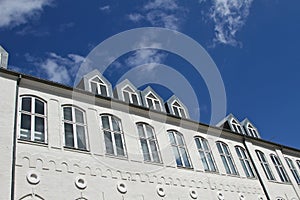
(279, 182)
(186, 168)
(72, 149)
(42, 144)
(117, 157)
(154, 163)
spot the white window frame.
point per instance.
(179, 146)
(130, 94)
(245, 162)
(265, 165)
(99, 86)
(204, 153)
(153, 101)
(179, 108)
(279, 168)
(113, 133)
(32, 115)
(228, 159)
(252, 130)
(236, 126)
(148, 140)
(74, 123)
(293, 169)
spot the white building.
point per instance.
(99, 143)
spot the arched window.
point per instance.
(130, 96)
(153, 102)
(265, 165)
(148, 143)
(205, 154)
(178, 110)
(236, 126)
(226, 158)
(179, 149)
(252, 131)
(293, 170)
(279, 168)
(244, 161)
(33, 119)
(113, 135)
(97, 86)
(74, 127)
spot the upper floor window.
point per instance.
(236, 126)
(265, 165)
(293, 170)
(244, 161)
(226, 158)
(130, 95)
(205, 154)
(252, 130)
(178, 110)
(74, 127)
(153, 102)
(98, 86)
(113, 135)
(298, 163)
(279, 168)
(179, 149)
(33, 119)
(148, 143)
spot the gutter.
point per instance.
(14, 149)
(256, 170)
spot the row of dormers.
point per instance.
(245, 127)
(96, 83)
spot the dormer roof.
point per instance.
(148, 92)
(174, 101)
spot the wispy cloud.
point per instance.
(16, 12)
(161, 13)
(229, 16)
(66, 26)
(57, 68)
(29, 30)
(105, 8)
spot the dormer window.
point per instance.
(153, 102)
(130, 95)
(97, 86)
(252, 131)
(236, 126)
(178, 110)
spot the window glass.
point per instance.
(244, 161)
(205, 154)
(226, 158)
(265, 165)
(26, 104)
(293, 169)
(68, 113)
(279, 168)
(39, 107)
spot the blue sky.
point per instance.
(254, 44)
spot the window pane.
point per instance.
(119, 145)
(25, 127)
(105, 122)
(176, 111)
(150, 104)
(141, 130)
(79, 116)
(154, 151)
(225, 164)
(249, 167)
(238, 152)
(94, 88)
(81, 137)
(115, 124)
(39, 107)
(205, 145)
(103, 90)
(185, 157)
(231, 165)
(69, 138)
(182, 113)
(134, 99)
(157, 105)
(126, 97)
(177, 156)
(219, 147)
(68, 113)
(245, 168)
(211, 162)
(39, 129)
(226, 150)
(145, 150)
(203, 159)
(172, 138)
(26, 104)
(179, 139)
(108, 142)
(268, 172)
(149, 132)
(198, 143)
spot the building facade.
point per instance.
(98, 142)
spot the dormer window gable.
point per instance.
(130, 96)
(153, 102)
(178, 110)
(97, 86)
(252, 131)
(236, 127)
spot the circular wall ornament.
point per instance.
(33, 177)
(160, 191)
(193, 193)
(221, 196)
(121, 187)
(242, 196)
(80, 183)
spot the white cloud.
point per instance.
(160, 13)
(57, 68)
(16, 12)
(229, 17)
(105, 8)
